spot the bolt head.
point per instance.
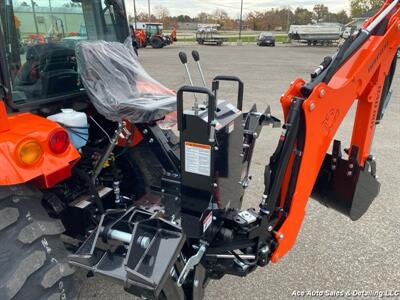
(281, 236)
(270, 228)
(312, 106)
(322, 93)
(144, 242)
(265, 250)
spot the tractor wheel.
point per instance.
(156, 42)
(33, 260)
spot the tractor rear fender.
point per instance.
(49, 167)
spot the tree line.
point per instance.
(272, 19)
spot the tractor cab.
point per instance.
(154, 28)
(39, 38)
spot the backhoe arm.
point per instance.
(361, 71)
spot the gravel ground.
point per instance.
(332, 253)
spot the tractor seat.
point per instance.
(117, 84)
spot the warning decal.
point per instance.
(233, 108)
(231, 127)
(198, 158)
(207, 221)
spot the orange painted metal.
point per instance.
(141, 37)
(359, 80)
(4, 124)
(135, 139)
(173, 35)
(50, 169)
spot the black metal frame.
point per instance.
(236, 241)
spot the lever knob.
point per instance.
(183, 57)
(196, 55)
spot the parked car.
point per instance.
(266, 39)
(398, 53)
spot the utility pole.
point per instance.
(240, 23)
(51, 12)
(135, 13)
(34, 16)
(148, 3)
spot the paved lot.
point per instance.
(332, 253)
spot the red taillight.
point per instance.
(59, 142)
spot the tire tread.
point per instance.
(33, 258)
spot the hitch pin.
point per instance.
(191, 263)
(231, 256)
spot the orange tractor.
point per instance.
(152, 34)
(94, 178)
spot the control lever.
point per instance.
(184, 60)
(196, 57)
(191, 263)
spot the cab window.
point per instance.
(40, 38)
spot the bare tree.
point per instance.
(203, 17)
(161, 13)
(321, 13)
(221, 17)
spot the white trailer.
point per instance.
(316, 33)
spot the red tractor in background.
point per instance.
(152, 34)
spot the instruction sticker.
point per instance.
(233, 108)
(231, 127)
(198, 158)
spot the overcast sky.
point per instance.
(193, 7)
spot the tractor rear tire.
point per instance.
(33, 259)
(156, 43)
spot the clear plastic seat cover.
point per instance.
(117, 84)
